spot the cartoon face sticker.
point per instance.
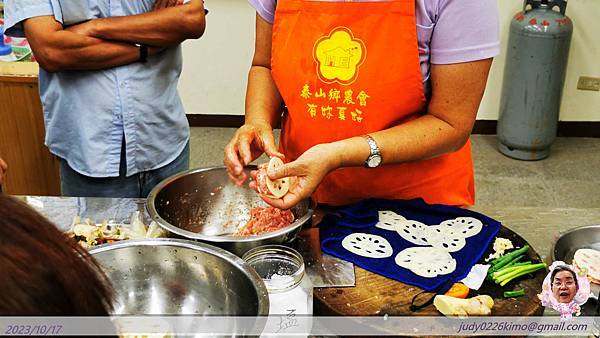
(564, 285)
(564, 289)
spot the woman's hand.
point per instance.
(248, 143)
(3, 168)
(309, 170)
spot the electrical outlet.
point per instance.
(589, 83)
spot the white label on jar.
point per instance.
(295, 300)
(288, 310)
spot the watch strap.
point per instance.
(143, 52)
(374, 149)
(373, 145)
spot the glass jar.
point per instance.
(290, 290)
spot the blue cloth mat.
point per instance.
(362, 217)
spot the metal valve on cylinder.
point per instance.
(534, 75)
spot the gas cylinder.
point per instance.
(534, 75)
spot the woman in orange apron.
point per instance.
(357, 123)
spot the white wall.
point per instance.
(216, 66)
(584, 59)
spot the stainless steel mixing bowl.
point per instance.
(171, 277)
(203, 204)
(579, 238)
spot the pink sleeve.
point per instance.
(265, 8)
(466, 30)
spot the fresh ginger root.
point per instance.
(476, 306)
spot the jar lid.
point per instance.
(280, 267)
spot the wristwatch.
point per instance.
(374, 159)
(143, 52)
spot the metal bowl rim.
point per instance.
(568, 232)
(217, 239)
(257, 282)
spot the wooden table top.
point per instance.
(377, 295)
(537, 226)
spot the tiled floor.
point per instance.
(569, 178)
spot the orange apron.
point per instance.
(346, 69)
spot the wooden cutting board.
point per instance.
(377, 295)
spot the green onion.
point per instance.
(512, 294)
(509, 256)
(504, 271)
(518, 272)
(508, 269)
(508, 260)
(515, 260)
(494, 261)
(507, 272)
(506, 263)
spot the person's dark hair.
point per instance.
(563, 268)
(43, 272)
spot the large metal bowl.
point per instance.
(203, 204)
(179, 277)
(579, 238)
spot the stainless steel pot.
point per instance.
(203, 204)
(582, 237)
(179, 277)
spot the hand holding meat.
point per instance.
(268, 187)
(309, 169)
(248, 143)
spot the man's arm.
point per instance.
(3, 168)
(160, 28)
(58, 50)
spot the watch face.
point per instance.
(374, 161)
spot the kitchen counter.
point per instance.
(540, 227)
